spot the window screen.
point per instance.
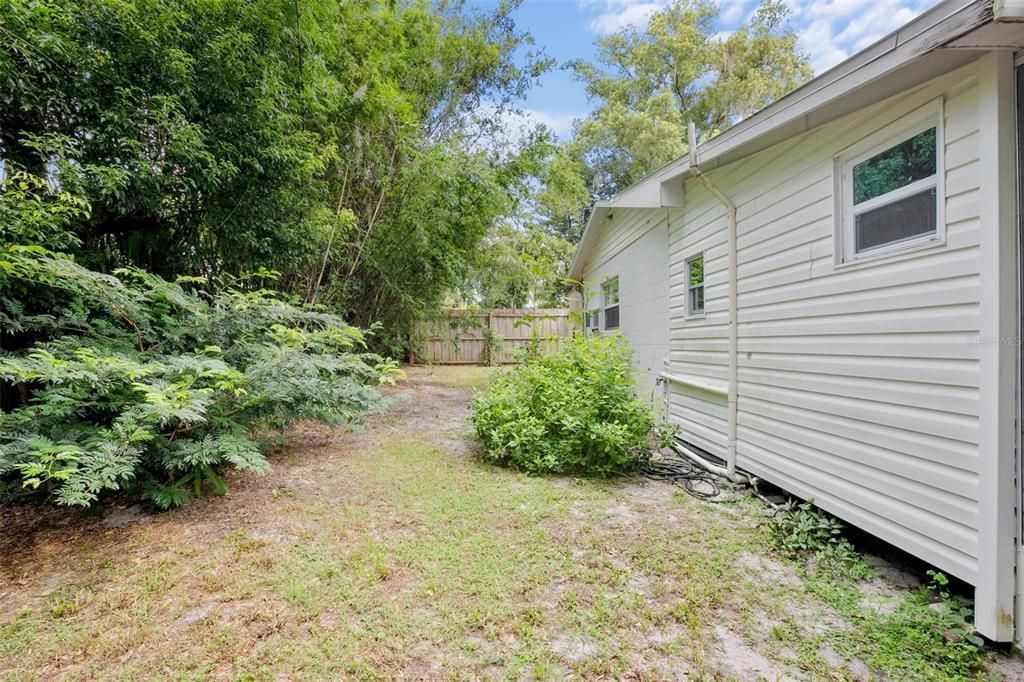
(611, 317)
(902, 219)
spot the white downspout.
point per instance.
(733, 369)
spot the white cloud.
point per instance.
(816, 40)
(516, 124)
(829, 32)
(615, 15)
(559, 122)
(732, 13)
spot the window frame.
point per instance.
(605, 307)
(690, 311)
(930, 115)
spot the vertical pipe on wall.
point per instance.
(733, 361)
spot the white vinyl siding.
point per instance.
(859, 382)
(633, 246)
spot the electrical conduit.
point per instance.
(733, 350)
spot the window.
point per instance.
(695, 285)
(890, 188)
(610, 295)
(591, 319)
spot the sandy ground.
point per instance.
(205, 591)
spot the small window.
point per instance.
(592, 319)
(695, 285)
(890, 188)
(610, 296)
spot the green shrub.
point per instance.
(128, 382)
(571, 411)
(800, 528)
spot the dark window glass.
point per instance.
(697, 299)
(907, 162)
(611, 317)
(911, 216)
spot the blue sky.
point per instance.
(566, 29)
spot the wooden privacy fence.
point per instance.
(485, 337)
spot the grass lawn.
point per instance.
(393, 553)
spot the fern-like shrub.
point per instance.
(130, 383)
(571, 411)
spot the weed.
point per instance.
(927, 637)
(66, 601)
(282, 491)
(799, 528)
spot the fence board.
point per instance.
(457, 336)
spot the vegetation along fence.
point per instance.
(486, 337)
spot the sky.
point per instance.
(829, 32)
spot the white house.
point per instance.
(829, 291)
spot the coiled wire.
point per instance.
(682, 472)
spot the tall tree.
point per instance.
(340, 142)
(518, 267)
(649, 83)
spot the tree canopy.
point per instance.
(340, 143)
(649, 83)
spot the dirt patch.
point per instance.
(767, 571)
(121, 517)
(192, 617)
(388, 551)
(1007, 666)
(643, 491)
(575, 648)
(41, 549)
(738, 659)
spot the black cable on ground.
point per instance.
(682, 472)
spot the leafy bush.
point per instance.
(799, 528)
(572, 411)
(130, 382)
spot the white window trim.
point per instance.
(690, 312)
(604, 304)
(930, 115)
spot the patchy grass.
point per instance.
(453, 376)
(394, 553)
